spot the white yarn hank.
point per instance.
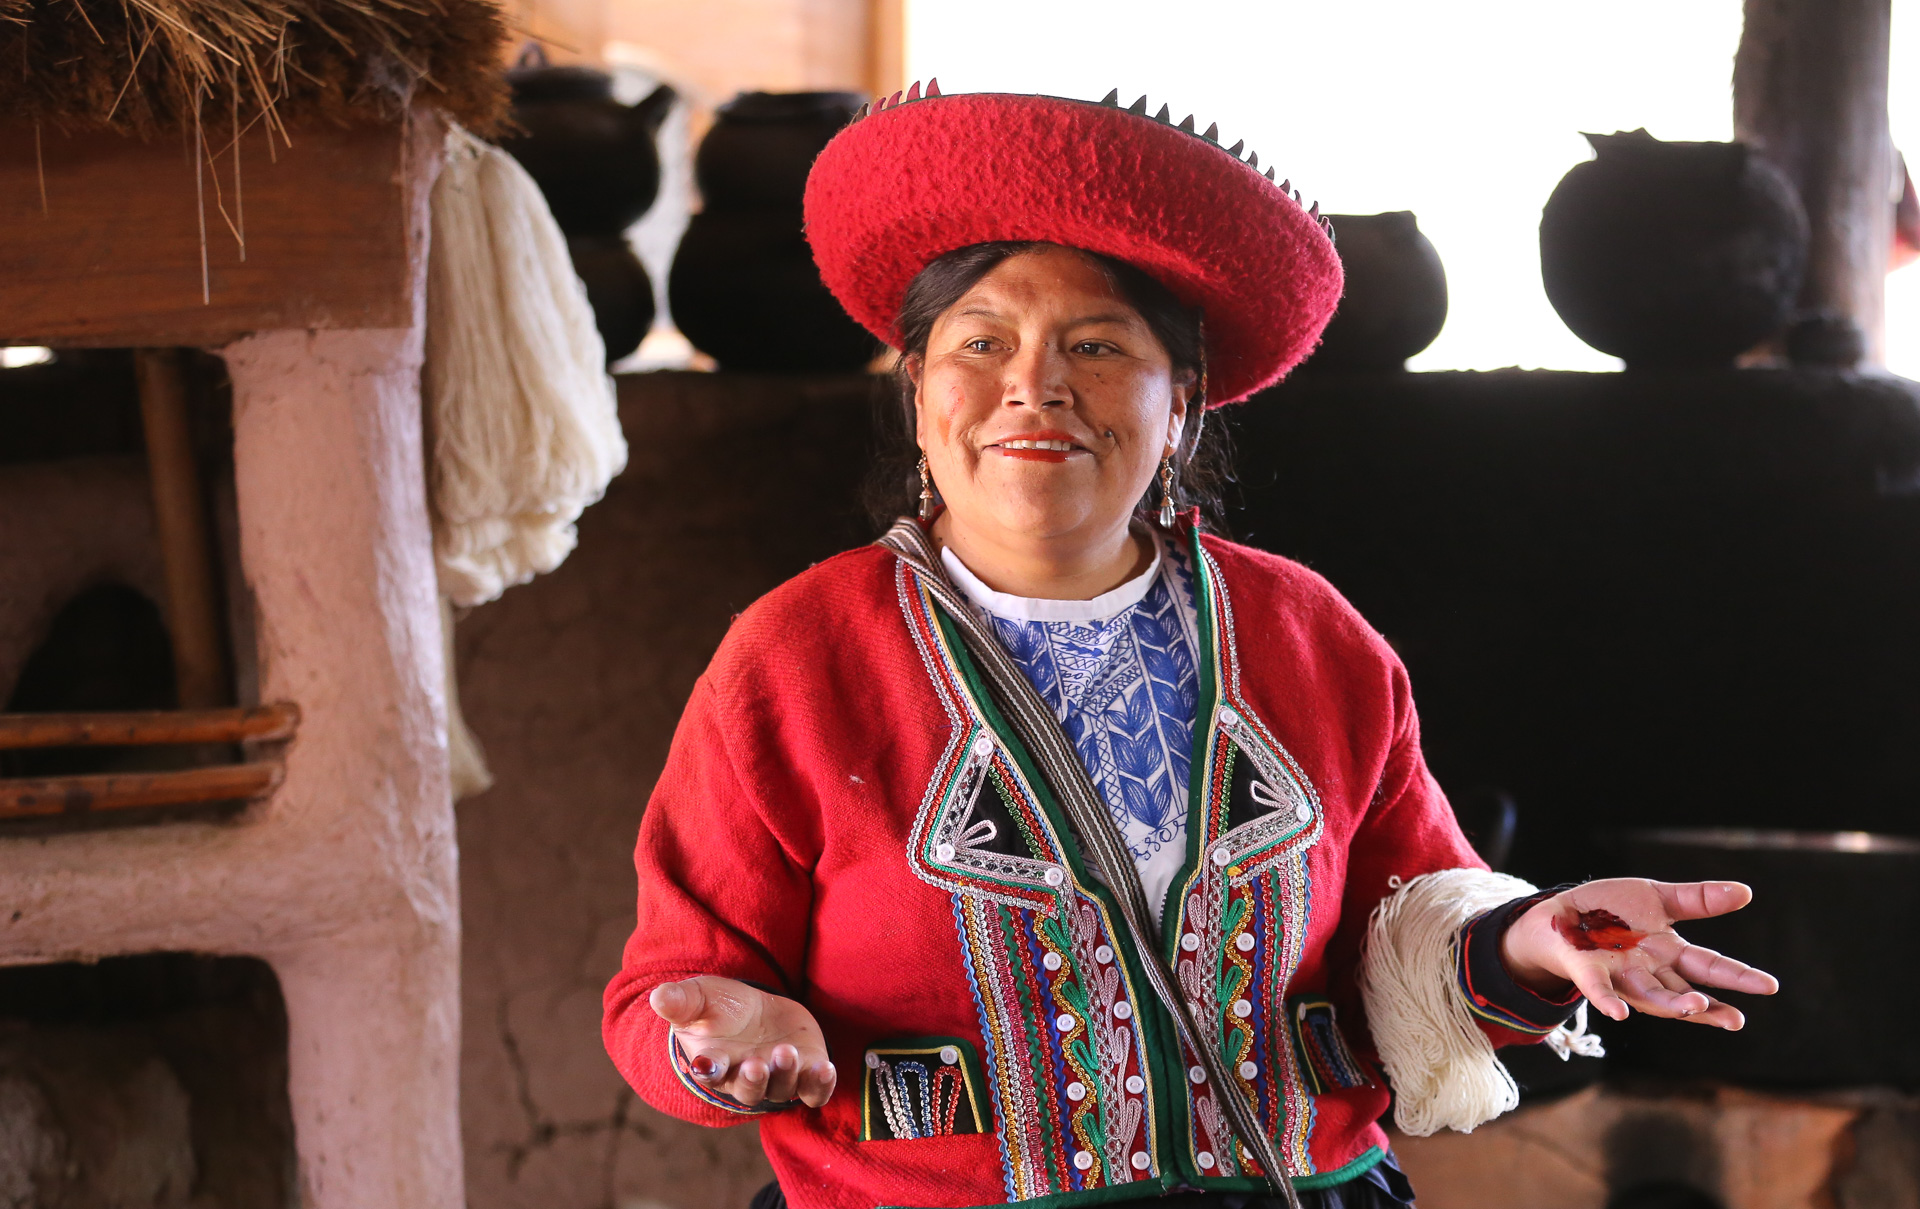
(1444, 1072)
(521, 417)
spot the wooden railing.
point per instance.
(36, 797)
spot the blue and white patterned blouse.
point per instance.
(1121, 674)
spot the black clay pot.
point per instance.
(745, 291)
(1396, 296)
(762, 145)
(618, 289)
(1673, 254)
(593, 158)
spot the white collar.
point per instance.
(1027, 608)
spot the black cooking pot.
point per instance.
(763, 144)
(744, 289)
(1395, 301)
(593, 157)
(1834, 916)
(1673, 254)
(618, 289)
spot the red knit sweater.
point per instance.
(820, 830)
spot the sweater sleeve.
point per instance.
(1420, 888)
(721, 892)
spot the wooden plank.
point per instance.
(37, 797)
(114, 256)
(277, 720)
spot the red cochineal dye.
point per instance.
(1591, 930)
(702, 1065)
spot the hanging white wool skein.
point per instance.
(521, 421)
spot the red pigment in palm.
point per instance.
(1591, 930)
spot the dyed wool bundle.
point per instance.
(522, 425)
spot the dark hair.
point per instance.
(1203, 455)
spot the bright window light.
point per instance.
(19, 356)
(1466, 113)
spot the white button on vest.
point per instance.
(944, 852)
(1103, 955)
(1123, 1009)
(1082, 1159)
(1228, 717)
(1244, 942)
(1065, 1022)
(1140, 1160)
(1205, 1159)
(1197, 1073)
(983, 747)
(1190, 942)
(1243, 1008)
(1054, 877)
(873, 1060)
(1051, 961)
(1303, 812)
(949, 1055)
(1248, 1070)
(1136, 1084)
(1221, 856)
(1076, 1092)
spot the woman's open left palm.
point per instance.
(1614, 941)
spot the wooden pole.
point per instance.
(193, 605)
(1810, 91)
(886, 47)
(263, 723)
(38, 797)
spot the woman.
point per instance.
(1046, 853)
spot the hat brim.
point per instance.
(895, 190)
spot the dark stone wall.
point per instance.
(1627, 599)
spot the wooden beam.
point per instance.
(186, 543)
(262, 723)
(38, 797)
(114, 255)
(1810, 91)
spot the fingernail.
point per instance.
(702, 1066)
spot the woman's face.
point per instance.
(1045, 402)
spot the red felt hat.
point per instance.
(922, 176)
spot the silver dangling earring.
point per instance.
(1166, 492)
(926, 490)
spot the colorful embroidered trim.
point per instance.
(683, 1068)
(1325, 1059)
(1240, 923)
(1065, 1049)
(923, 1087)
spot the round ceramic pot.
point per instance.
(1395, 301)
(593, 157)
(1673, 254)
(762, 145)
(745, 291)
(618, 289)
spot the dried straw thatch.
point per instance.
(146, 66)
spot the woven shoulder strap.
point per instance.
(1036, 727)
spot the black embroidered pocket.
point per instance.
(921, 1087)
(1325, 1061)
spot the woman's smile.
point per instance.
(1048, 446)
